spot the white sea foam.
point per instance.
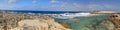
(67, 15)
(70, 15)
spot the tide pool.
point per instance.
(85, 23)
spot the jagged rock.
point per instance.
(13, 21)
(108, 24)
(114, 21)
(115, 18)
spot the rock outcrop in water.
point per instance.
(115, 18)
(114, 21)
(13, 21)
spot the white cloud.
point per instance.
(66, 6)
(100, 7)
(1, 7)
(8, 6)
(72, 6)
(5, 7)
(109, 6)
(34, 1)
(11, 1)
(95, 7)
(54, 1)
(79, 7)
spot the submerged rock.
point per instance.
(13, 21)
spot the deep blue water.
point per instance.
(46, 12)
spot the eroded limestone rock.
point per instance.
(12, 21)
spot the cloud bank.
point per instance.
(79, 7)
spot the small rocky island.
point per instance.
(19, 21)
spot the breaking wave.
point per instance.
(70, 15)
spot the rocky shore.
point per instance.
(114, 20)
(14, 21)
(21, 21)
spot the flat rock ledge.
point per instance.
(14, 21)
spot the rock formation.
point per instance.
(115, 18)
(109, 25)
(14, 21)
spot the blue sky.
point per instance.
(60, 5)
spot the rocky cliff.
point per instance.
(14, 21)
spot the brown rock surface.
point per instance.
(115, 18)
(114, 21)
(108, 24)
(12, 21)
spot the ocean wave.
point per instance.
(70, 15)
(65, 15)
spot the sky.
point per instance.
(60, 5)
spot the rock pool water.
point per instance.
(85, 23)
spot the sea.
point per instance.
(75, 20)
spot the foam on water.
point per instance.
(70, 15)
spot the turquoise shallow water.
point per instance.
(85, 23)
